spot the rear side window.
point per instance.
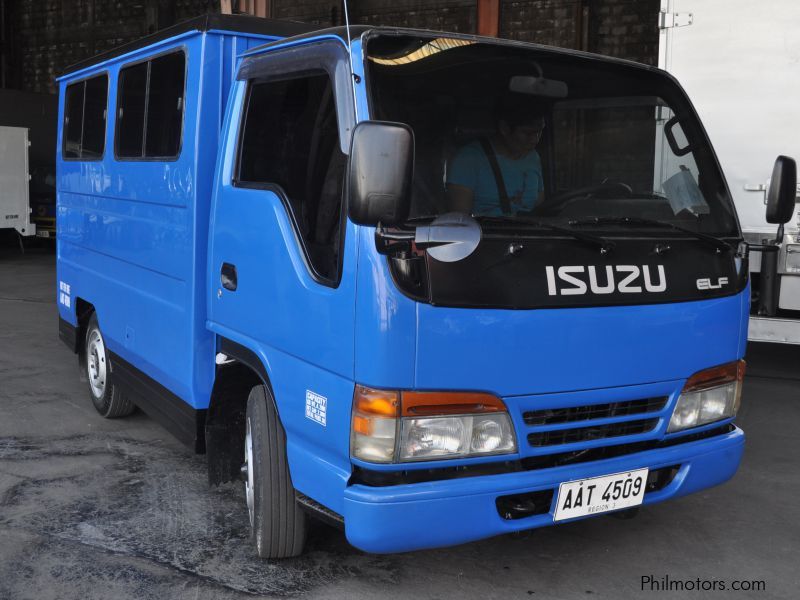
(150, 108)
(84, 129)
(290, 141)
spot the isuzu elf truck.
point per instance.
(428, 287)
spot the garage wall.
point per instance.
(625, 29)
(444, 15)
(48, 35)
(621, 28)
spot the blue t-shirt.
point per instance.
(470, 168)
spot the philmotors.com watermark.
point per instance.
(665, 583)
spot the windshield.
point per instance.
(532, 135)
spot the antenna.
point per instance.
(350, 57)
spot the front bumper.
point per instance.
(442, 513)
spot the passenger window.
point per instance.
(290, 140)
(165, 105)
(84, 128)
(73, 120)
(150, 108)
(130, 115)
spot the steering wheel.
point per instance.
(605, 189)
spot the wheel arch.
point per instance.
(83, 313)
(235, 376)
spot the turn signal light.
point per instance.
(716, 376)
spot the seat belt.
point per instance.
(505, 203)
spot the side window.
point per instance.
(290, 139)
(73, 120)
(84, 130)
(150, 108)
(165, 105)
(130, 112)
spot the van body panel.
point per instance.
(134, 232)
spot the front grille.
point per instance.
(547, 461)
(586, 434)
(570, 414)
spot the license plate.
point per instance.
(600, 494)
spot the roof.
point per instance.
(357, 31)
(232, 23)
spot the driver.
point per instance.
(500, 174)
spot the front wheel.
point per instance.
(106, 397)
(277, 523)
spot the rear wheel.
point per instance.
(106, 397)
(277, 523)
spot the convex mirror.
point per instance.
(450, 237)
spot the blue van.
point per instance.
(428, 287)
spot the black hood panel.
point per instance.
(518, 272)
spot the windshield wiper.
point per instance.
(718, 244)
(593, 240)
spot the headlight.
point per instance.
(450, 437)
(709, 396)
(393, 426)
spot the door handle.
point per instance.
(227, 277)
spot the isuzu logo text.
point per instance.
(705, 283)
(625, 279)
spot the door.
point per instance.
(282, 258)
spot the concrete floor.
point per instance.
(93, 508)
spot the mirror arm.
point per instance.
(779, 237)
(391, 243)
(397, 236)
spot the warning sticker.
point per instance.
(316, 407)
(63, 294)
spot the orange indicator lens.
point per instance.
(716, 376)
(362, 425)
(416, 404)
(382, 403)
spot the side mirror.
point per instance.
(379, 174)
(782, 191)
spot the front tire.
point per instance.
(277, 523)
(106, 397)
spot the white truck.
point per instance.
(15, 210)
(739, 61)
